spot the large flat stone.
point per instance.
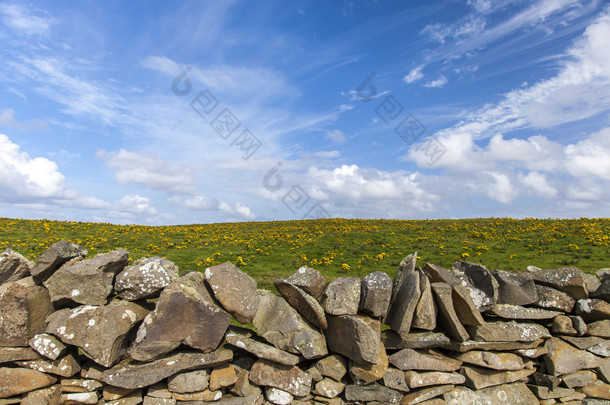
(234, 289)
(447, 318)
(365, 337)
(492, 360)
(262, 350)
(592, 309)
(282, 326)
(414, 340)
(15, 381)
(553, 299)
(145, 278)
(417, 379)
(478, 377)
(24, 310)
(505, 394)
(499, 346)
(564, 358)
(132, 375)
(410, 359)
(515, 289)
(288, 378)
(482, 285)
(518, 312)
(567, 279)
(509, 332)
(304, 303)
(372, 392)
(199, 323)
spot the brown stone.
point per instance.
(564, 358)
(499, 346)
(45, 396)
(583, 343)
(369, 373)
(414, 340)
(54, 257)
(509, 332)
(409, 359)
(550, 393)
(505, 394)
(333, 366)
(15, 381)
(309, 280)
(48, 346)
(10, 354)
(562, 325)
(13, 266)
(425, 313)
(496, 361)
(395, 379)
(222, 376)
(416, 379)
(190, 381)
(597, 389)
(593, 309)
(262, 350)
(599, 328)
(478, 377)
(553, 299)
(371, 393)
(66, 366)
(579, 378)
(328, 388)
(288, 378)
(24, 310)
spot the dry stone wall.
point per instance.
(78, 330)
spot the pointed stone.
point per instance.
(447, 318)
(376, 292)
(416, 379)
(24, 310)
(478, 377)
(592, 310)
(579, 325)
(234, 289)
(482, 285)
(262, 350)
(414, 340)
(282, 326)
(509, 332)
(553, 299)
(15, 381)
(515, 289)
(567, 279)
(309, 280)
(87, 282)
(304, 303)
(54, 257)
(288, 378)
(342, 296)
(518, 312)
(145, 278)
(603, 291)
(562, 325)
(465, 308)
(492, 360)
(13, 266)
(564, 358)
(409, 359)
(364, 333)
(405, 296)
(130, 374)
(438, 274)
(102, 333)
(425, 311)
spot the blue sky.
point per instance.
(198, 111)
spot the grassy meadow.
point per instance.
(336, 247)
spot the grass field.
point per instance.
(336, 247)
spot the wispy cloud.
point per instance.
(414, 74)
(27, 22)
(438, 83)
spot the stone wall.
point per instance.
(80, 330)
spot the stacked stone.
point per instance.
(100, 330)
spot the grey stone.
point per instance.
(65, 366)
(333, 366)
(342, 296)
(409, 359)
(48, 346)
(10, 354)
(509, 394)
(603, 291)
(478, 377)
(425, 313)
(145, 278)
(15, 381)
(365, 336)
(234, 289)
(405, 296)
(13, 266)
(376, 292)
(304, 303)
(309, 280)
(599, 328)
(416, 379)
(515, 289)
(567, 279)
(604, 370)
(262, 350)
(465, 307)
(532, 353)
(601, 349)
(102, 333)
(277, 396)
(282, 326)
(424, 395)
(579, 378)
(189, 381)
(499, 346)
(438, 274)
(509, 332)
(199, 323)
(482, 285)
(592, 283)
(583, 343)
(288, 378)
(447, 317)
(507, 311)
(23, 310)
(328, 388)
(553, 299)
(579, 325)
(372, 392)
(54, 257)
(368, 373)
(87, 282)
(130, 374)
(414, 340)
(592, 310)
(395, 379)
(563, 358)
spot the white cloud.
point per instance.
(7, 119)
(538, 185)
(336, 135)
(590, 157)
(438, 83)
(148, 170)
(200, 202)
(330, 154)
(23, 21)
(414, 74)
(136, 204)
